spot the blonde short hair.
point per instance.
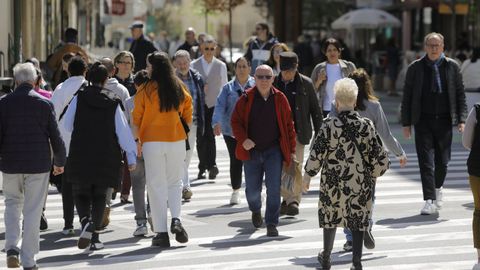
(346, 91)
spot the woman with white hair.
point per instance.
(350, 155)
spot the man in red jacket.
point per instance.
(263, 126)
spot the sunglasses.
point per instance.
(263, 77)
(209, 49)
(122, 62)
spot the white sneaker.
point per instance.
(235, 199)
(429, 208)
(476, 266)
(439, 200)
(141, 230)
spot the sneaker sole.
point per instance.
(96, 246)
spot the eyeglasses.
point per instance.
(263, 77)
(124, 62)
(209, 49)
(434, 46)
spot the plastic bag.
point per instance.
(291, 182)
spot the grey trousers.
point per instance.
(24, 193)
(138, 191)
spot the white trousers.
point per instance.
(192, 138)
(163, 170)
(24, 193)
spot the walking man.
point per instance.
(28, 132)
(194, 82)
(263, 126)
(433, 101)
(141, 46)
(305, 110)
(214, 73)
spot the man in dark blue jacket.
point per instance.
(28, 132)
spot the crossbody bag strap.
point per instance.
(68, 104)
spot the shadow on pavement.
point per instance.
(67, 259)
(220, 210)
(201, 182)
(127, 241)
(243, 237)
(404, 222)
(56, 240)
(337, 258)
(470, 206)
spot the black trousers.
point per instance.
(433, 141)
(90, 202)
(235, 164)
(206, 148)
(67, 202)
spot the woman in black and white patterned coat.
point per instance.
(350, 155)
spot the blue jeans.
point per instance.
(268, 163)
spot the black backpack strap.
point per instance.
(68, 104)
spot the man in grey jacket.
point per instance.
(305, 110)
(214, 73)
(433, 101)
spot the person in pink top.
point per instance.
(40, 84)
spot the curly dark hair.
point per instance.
(169, 87)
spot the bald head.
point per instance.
(108, 63)
(264, 79)
(263, 69)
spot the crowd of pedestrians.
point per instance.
(133, 121)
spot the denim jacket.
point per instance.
(226, 101)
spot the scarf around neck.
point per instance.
(436, 79)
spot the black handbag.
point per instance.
(187, 130)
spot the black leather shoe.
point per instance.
(161, 240)
(43, 223)
(213, 172)
(324, 261)
(201, 175)
(176, 228)
(272, 230)
(292, 209)
(257, 219)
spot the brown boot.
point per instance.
(106, 217)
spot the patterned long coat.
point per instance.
(350, 155)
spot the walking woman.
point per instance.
(124, 63)
(222, 116)
(274, 60)
(350, 155)
(368, 106)
(160, 106)
(99, 129)
(325, 74)
(471, 141)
